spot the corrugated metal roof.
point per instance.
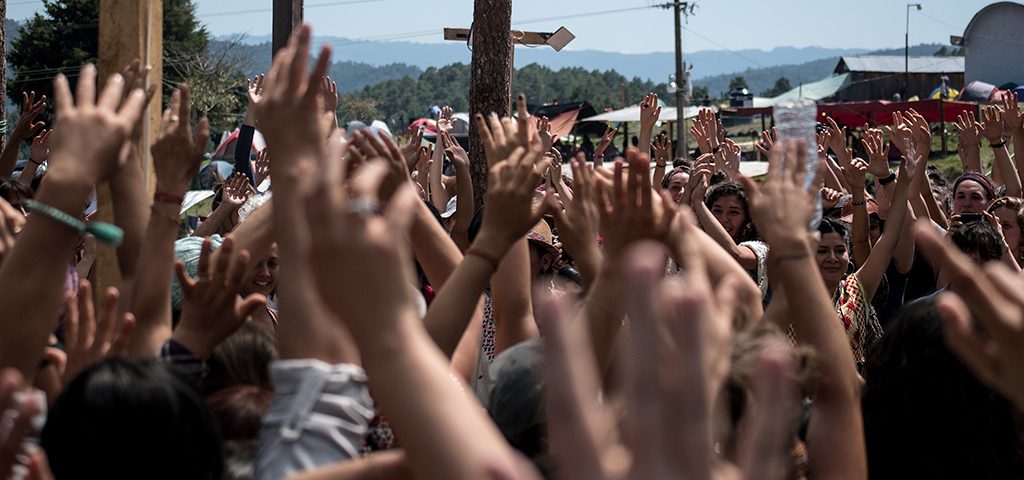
(894, 64)
(814, 91)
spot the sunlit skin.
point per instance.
(833, 259)
(263, 277)
(676, 185)
(969, 198)
(729, 212)
(1011, 229)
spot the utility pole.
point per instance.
(3, 75)
(906, 53)
(680, 9)
(287, 16)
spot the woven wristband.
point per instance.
(105, 232)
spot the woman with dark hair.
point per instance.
(1008, 214)
(926, 415)
(852, 290)
(145, 411)
(725, 216)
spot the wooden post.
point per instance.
(3, 75)
(287, 16)
(129, 29)
(489, 85)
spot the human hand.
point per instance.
(262, 168)
(290, 111)
(444, 120)
(629, 212)
(455, 152)
(830, 198)
(329, 90)
(254, 90)
(578, 219)
(30, 109)
(86, 148)
(510, 213)
(967, 128)
(544, 132)
(837, 140)
(1012, 115)
(703, 129)
(781, 207)
(983, 315)
(606, 141)
(212, 309)
(236, 190)
(41, 146)
(991, 125)
(89, 339)
(176, 152)
(854, 171)
(554, 159)
(21, 406)
(501, 136)
(650, 112)
(922, 133)
(878, 152)
(768, 139)
(136, 77)
(731, 155)
(367, 146)
(662, 149)
(411, 149)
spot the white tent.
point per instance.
(632, 114)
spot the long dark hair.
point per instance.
(734, 189)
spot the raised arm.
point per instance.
(25, 128)
(84, 154)
(969, 145)
(1015, 125)
(650, 111)
(782, 210)
(39, 153)
(991, 128)
(602, 146)
(176, 157)
(438, 195)
(464, 205)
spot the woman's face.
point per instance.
(1011, 229)
(676, 184)
(729, 212)
(969, 198)
(263, 278)
(833, 258)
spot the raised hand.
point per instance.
(703, 130)
(768, 139)
(30, 109)
(92, 132)
(509, 214)
(878, 152)
(650, 111)
(21, 409)
(968, 128)
(212, 310)
(781, 207)
(922, 134)
(627, 206)
(444, 120)
(41, 146)
(329, 90)
(579, 217)
(662, 149)
(254, 90)
(89, 339)
(854, 172)
(830, 198)
(1011, 114)
(991, 125)
(606, 141)
(262, 168)
(455, 152)
(731, 155)
(501, 136)
(544, 132)
(837, 140)
(177, 153)
(411, 149)
(983, 314)
(236, 190)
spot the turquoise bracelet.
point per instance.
(105, 232)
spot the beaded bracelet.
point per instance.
(107, 233)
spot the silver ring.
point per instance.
(363, 206)
(174, 118)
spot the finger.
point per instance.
(112, 92)
(323, 61)
(27, 408)
(87, 315)
(123, 335)
(86, 86)
(300, 62)
(71, 324)
(367, 184)
(203, 267)
(250, 305)
(106, 326)
(62, 95)
(237, 269)
(225, 255)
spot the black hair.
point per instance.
(733, 189)
(242, 359)
(671, 173)
(978, 237)
(926, 415)
(11, 190)
(145, 411)
(832, 225)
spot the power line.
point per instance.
(265, 10)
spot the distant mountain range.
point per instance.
(649, 66)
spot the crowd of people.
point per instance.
(648, 316)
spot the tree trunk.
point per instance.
(490, 79)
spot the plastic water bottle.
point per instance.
(796, 120)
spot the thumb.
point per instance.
(249, 305)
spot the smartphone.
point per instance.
(970, 217)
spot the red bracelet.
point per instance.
(485, 256)
(164, 197)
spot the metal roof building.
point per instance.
(993, 43)
(882, 77)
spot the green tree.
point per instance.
(781, 86)
(66, 35)
(737, 83)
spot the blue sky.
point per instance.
(718, 24)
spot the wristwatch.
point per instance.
(887, 180)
